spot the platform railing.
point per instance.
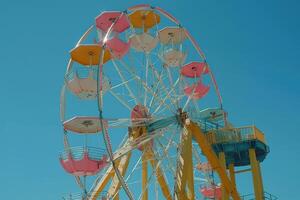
(80, 196)
(205, 125)
(227, 135)
(267, 196)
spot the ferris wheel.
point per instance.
(137, 95)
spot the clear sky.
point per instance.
(253, 48)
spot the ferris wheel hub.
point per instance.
(181, 117)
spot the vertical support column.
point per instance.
(232, 174)
(257, 183)
(144, 175)
(261, 180)
(222, 159)
(184, 188)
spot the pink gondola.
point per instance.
(196, 91)
(117, 47)
(85, 166)
(212, 192)
(194, 69)
(106, 19)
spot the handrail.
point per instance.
(266, 195)
(239, 134)
(81, 196)
(78, 152)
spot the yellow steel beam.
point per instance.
(232, 174)
(117, 197)
(180, 173)
(189, 167)
(108, 175)
(159, 175)
(258, 190)
(223, 164)
(212, 158)
(185, 175)
(115, 185)
(102, 183)
(144, 175)
(260, 177)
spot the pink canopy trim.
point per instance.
(106, 19)
(212, 192)
(84, 167)
(196, 91)
(118, 47)
(194, 69)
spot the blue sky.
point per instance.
(253, 48)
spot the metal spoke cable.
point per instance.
(121, 84)
(162, 84)
(155, 92)
(124, 103)
(166, 97)
(123, 79)
(145, 86)
(146, 78)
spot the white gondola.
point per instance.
(143, 42)
(171, 39)
(86, 88)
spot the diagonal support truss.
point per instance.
(198, 135)
(116, 184)
(102, 183)
(122, 165)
